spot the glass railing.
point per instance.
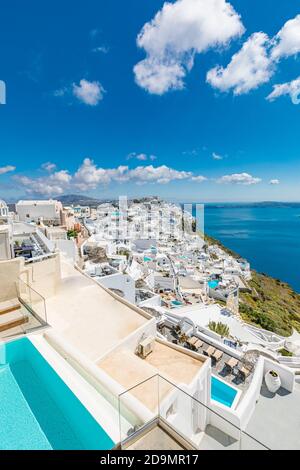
(23, 309)
(157, 400)
(32, 301)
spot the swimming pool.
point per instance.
(177, 303)
(37, 409)
(146, 258)
(213, 284)
(222, 392)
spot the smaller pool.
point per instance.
(146, 258)
(213, 284)
(176, 303)
(222, 392)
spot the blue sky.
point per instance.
(96, 104)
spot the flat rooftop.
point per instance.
(89, 318)
(276, 419)
(130, 370)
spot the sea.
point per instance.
(266, 234)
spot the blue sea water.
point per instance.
(267, 235)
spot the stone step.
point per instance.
(9, 306)
(12, 319)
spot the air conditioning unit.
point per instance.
(145, 347)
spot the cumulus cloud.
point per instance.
(89, 176)
(41, 186)
(161, 174)
(257, 60)
(239, 178)
(178, 32)
(199, 179)
(6, 169)
(287, 41)
(89, 93)
(248, 68)
(274, 182)
(290, 88)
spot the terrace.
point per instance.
(219, 368)
(90, 319)
(276, 419)
(129, 369)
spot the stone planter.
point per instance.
(273, 381)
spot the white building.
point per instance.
(49, 211)
(5, 242)
(4, 213)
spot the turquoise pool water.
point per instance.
(213, 284)
(222, 392)
(146, 258)
(176, 303)
(37, 409)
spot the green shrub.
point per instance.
(219, 328)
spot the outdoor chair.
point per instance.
(217, 355)
(209, 351)
(231, 364)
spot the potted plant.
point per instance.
(273, 381)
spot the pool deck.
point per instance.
(87, 316)
(217, 368)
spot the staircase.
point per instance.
(11, 315)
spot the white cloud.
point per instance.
(89, 176)
(143, 157)
(290, 88)
(176, 33)
(248, 68)
(161, 174)
(274, 182)
(257, 60)
(48, 166)
(287, 41)
(157, 77)
(6, 169)
(54, 184)
(199, 179)
(40, 186)
(90, 93)
(216, 156)
(239, 178)
(62, 176)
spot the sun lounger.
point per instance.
(244, 372)
(195, 342)
(210, 351)
(198, 344)
(192, 340)
(231, 363)
(217, 355)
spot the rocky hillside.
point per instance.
(273, 304)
